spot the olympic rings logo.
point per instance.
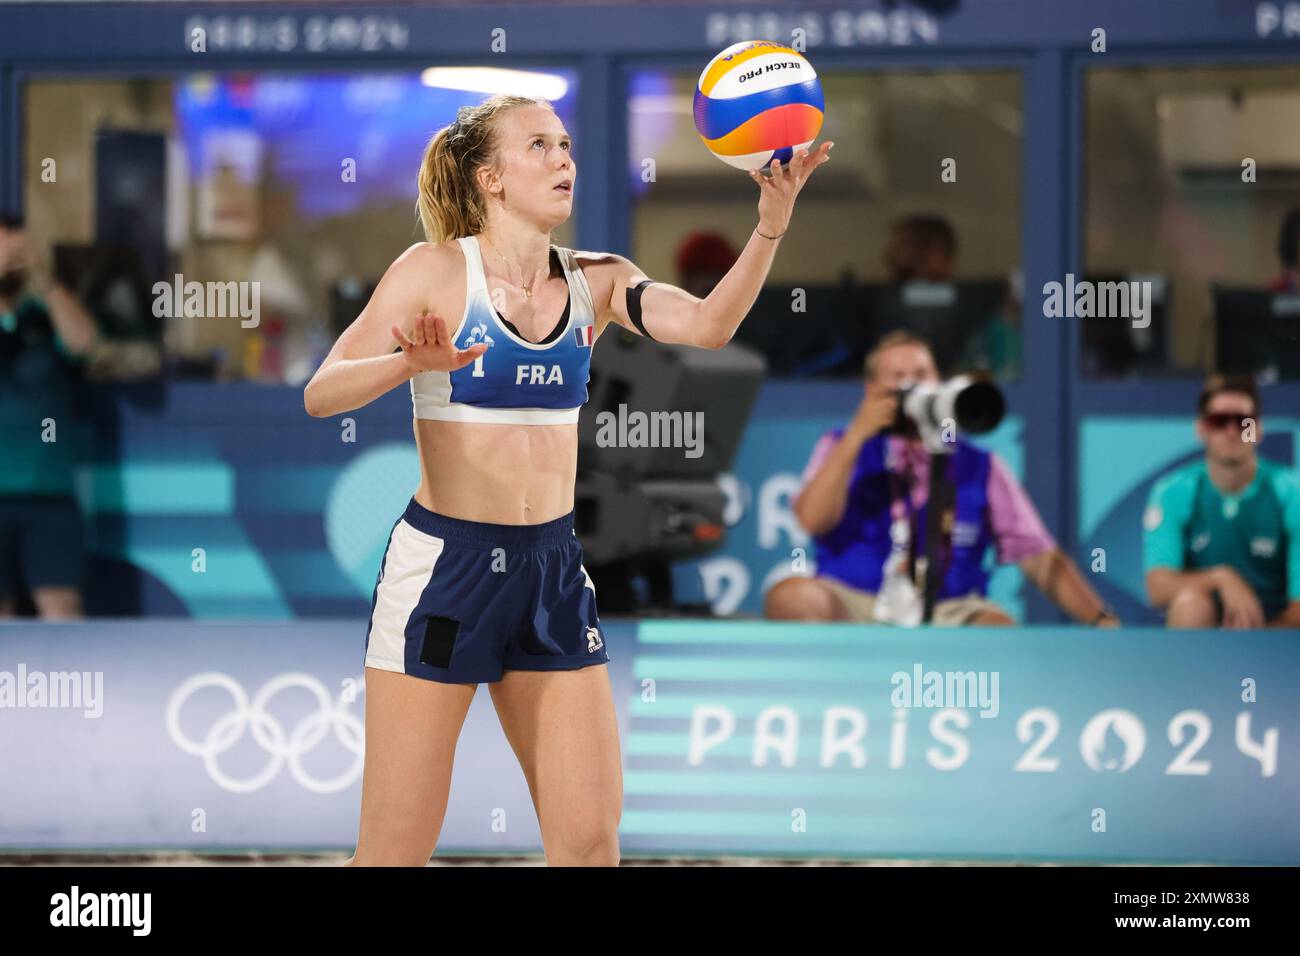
(283, 747)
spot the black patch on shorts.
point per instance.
(439, 640)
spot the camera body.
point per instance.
(937, 411)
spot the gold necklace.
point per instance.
(528, 289)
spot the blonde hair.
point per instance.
(889, 341)
(450, 204)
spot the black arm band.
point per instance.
(634, 307)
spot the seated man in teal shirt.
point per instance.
(1222, 543)
(44, 331)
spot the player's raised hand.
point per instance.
(777, 192)
(428, 346)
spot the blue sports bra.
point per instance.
(514, 382)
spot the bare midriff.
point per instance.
(500, 474)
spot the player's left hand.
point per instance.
(777, 192)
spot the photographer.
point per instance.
(863, 501)
(44, 332)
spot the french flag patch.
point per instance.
(583, 335)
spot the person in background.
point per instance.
(702, 259)
(863, 480)
(44, 332)
(924, 249)
(994, 345)
(921, 248)
(1288, 252)
(1222, 534)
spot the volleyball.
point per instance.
(758, 101)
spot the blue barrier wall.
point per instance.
(228, 501)
(737, 737)
(290, 514)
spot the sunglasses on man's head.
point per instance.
(1218, 420)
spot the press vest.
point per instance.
(854, 551)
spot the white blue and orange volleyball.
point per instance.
(758, 101)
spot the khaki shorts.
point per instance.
(952, 612)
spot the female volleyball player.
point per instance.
(482, 579)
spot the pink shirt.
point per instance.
(1016, 525)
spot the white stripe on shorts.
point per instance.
(408, 566)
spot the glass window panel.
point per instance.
(305, 183)
(1190, 174)
(893, 133)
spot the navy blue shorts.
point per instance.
(462, 601)
(41, 543)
